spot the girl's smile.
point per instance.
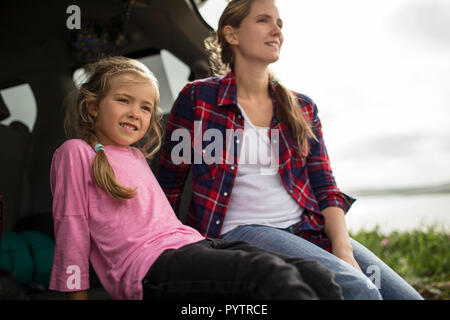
(123, 114)
(128, 126)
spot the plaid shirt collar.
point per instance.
(228, 93)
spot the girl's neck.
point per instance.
(251, 82)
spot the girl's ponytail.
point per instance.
(105, 177)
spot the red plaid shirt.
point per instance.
(308, 179)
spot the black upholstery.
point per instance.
(14, 155)
(4, 112)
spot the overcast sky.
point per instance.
(379, 72)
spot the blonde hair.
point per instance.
(222, 61)
(80, 123)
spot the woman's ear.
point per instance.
(230, 35)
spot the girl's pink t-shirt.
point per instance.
(121, 238)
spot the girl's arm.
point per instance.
(77, 295)
(69, 177)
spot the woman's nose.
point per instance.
(276, 30)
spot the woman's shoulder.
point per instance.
(307, 105)
(303, 99)
(210, 82)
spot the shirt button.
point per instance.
(225, 193)
(204, 150)
(218, 222)
(232, 167)
(237, 141)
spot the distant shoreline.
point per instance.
(412, 191)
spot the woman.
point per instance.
(294, 207)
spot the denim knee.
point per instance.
(354, 284)
(357, 287)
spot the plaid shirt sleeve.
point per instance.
(172, 176)
(318, 163)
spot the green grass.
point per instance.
(421, 257)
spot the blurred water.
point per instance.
(400, 213)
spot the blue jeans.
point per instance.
(381, 281)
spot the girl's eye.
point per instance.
(146, 108)
(123, 100)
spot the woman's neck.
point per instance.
(251, 82)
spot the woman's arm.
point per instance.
(77, 295)
(319, 168)
(332, 202)
(171, 176)
(337, 232)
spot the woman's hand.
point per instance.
(345, 252)
(337, 232)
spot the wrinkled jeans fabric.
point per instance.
(378, 282)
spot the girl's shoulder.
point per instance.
(75, 148)
(137, 153)
(75, 144)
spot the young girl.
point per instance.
(297, 209)
(109, 209)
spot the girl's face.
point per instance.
(259, 37)
(123, 114)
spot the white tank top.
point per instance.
(258, 195)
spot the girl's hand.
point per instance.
(77, 295)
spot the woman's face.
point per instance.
(259, 37)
